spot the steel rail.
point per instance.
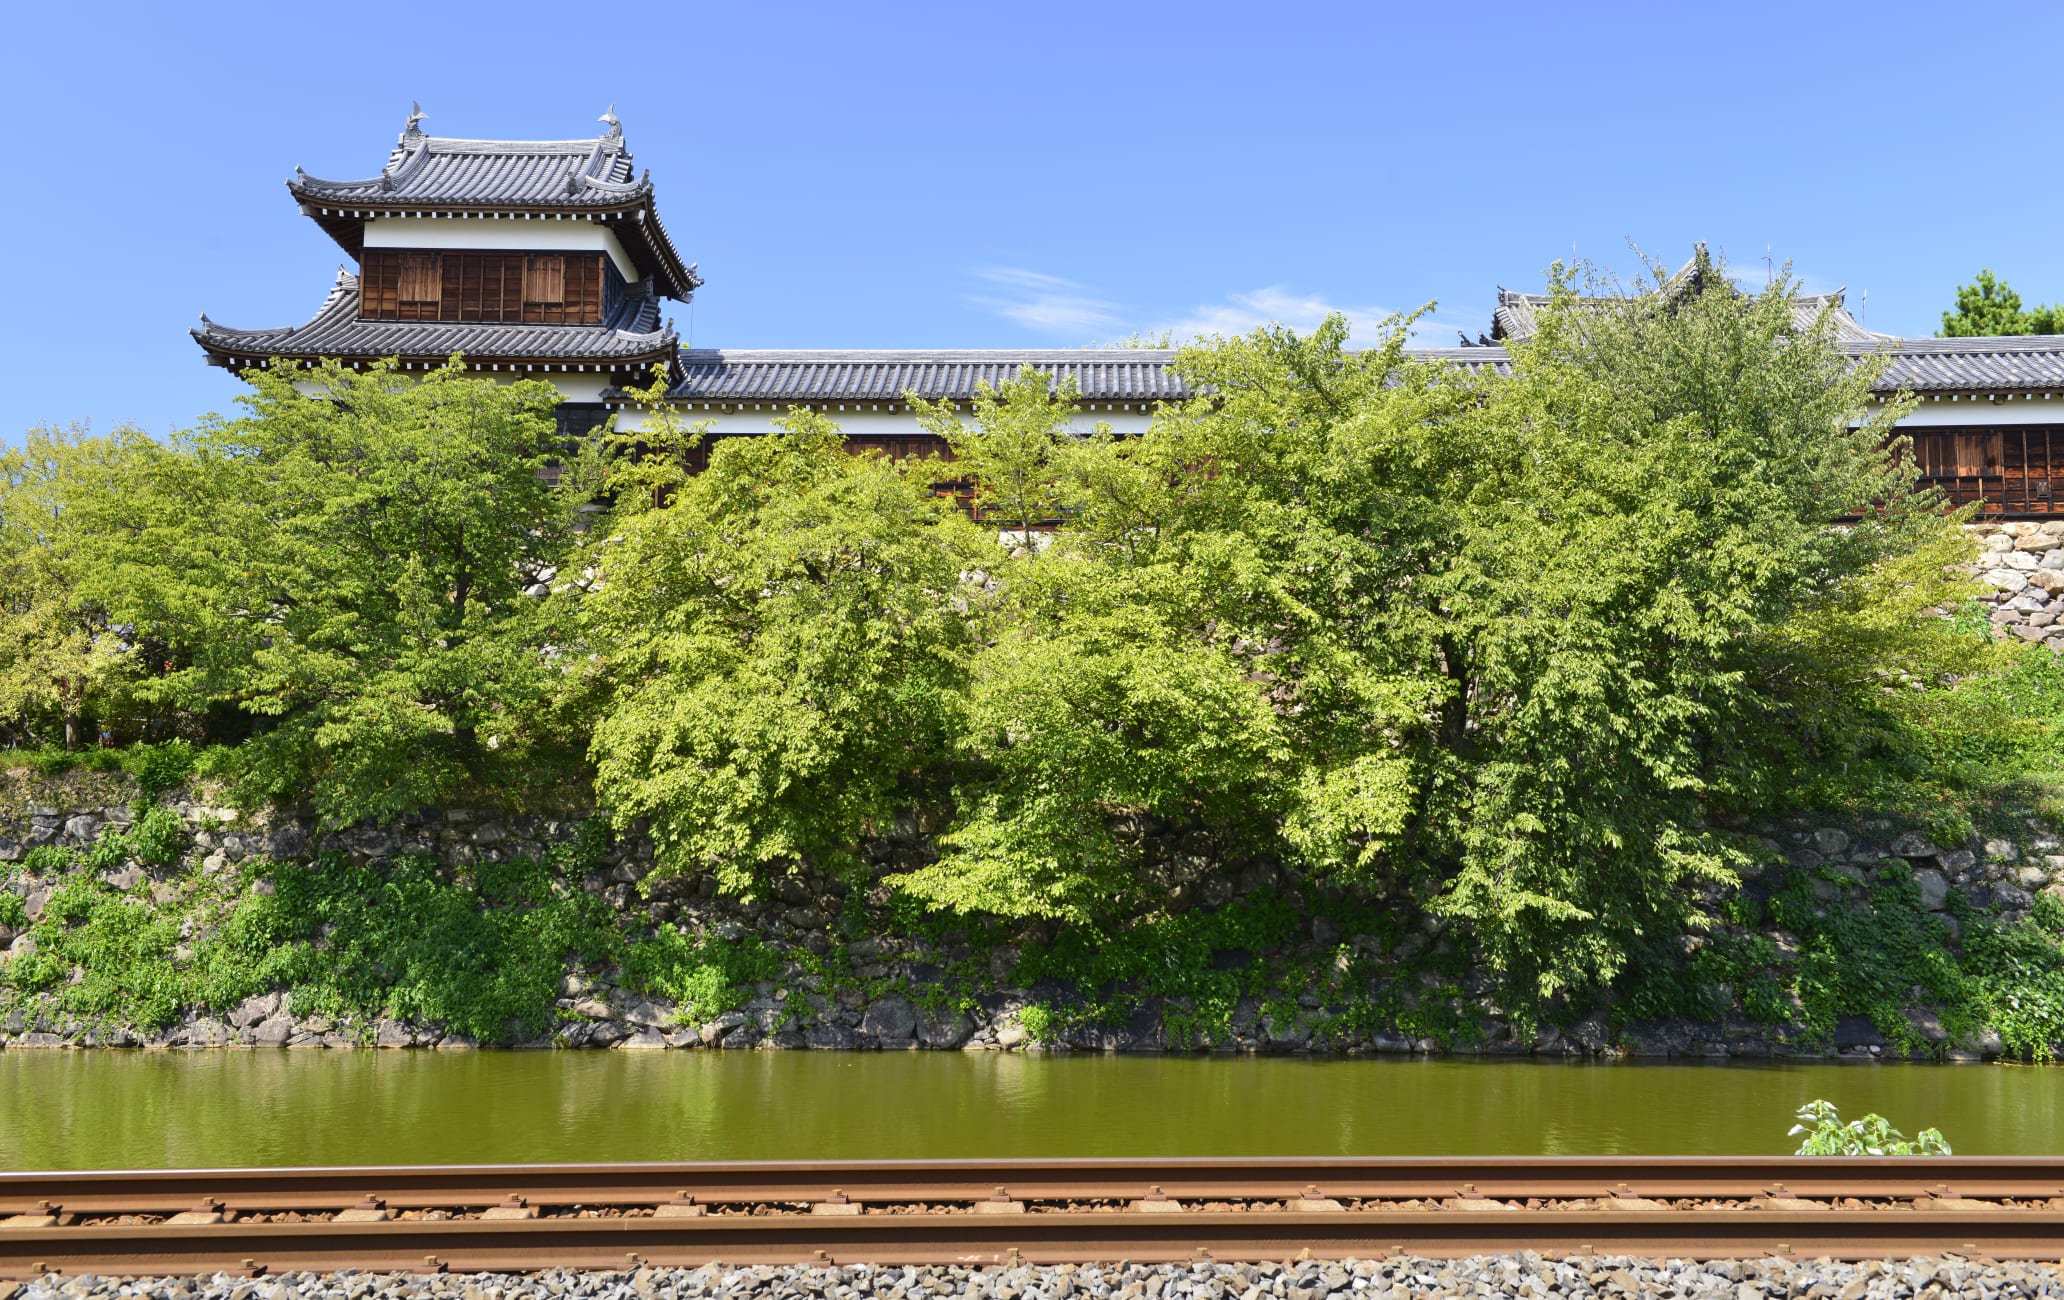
(739, 1182)
(1051, 1211)
(475, 1245)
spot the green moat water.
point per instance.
(112, 1109)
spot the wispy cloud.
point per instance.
(1064, 308)
(1755, 279)
(1242, 312)
(1046, 303)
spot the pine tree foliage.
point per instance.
(1989, 306)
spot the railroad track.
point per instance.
(467, 1218)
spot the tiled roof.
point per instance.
(1999, 365)
(1969, 365)
(636, 337)
(811, 376)
(1128, 375)
(802, 376)
(1514, 318)
(431, 171)
(569, 178)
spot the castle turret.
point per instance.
(541, 258)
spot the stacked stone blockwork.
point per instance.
(901, 995)
(2021, 564)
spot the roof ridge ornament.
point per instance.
(415, 119)
(615, 125)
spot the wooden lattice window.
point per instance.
(544, 279)
(464, 284)
(422, 279)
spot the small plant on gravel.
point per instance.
(1826, 1135)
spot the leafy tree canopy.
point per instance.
(1011, 453)
(1502, 642)
(1989, 306)
(783, 652)
(337, 575)
(1510, 645)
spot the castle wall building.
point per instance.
(547, 259)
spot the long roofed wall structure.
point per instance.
(548, 259)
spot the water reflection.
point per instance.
(115, 1109)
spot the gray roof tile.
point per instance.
(428, 171)
(776, 375)
(635, 335)
(2002, 364)
(732, 375)
(1116, 375)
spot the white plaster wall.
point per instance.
(576, 388)
(2039, 409)
(513, 234)
(864, 418)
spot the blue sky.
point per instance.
(968, 175)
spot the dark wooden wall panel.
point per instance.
(2010, 469)
(485, 286)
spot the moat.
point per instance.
(161, 1109)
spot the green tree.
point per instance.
(1012, 452)
(1498, 644)
(1658, 524)
(1989, 306)
(782, 653)
(65, 666)
(642, 468)
(342, 571)
(1100, 698)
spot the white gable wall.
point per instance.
(1938, 411)
(860, 418)
(511, 233)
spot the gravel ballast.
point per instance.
(1524, 1275)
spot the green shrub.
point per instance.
(2017, 976)
(1825, 1134)
(155, 839)
(103, 955)
(49, 860)
(702, 973)
(160, 769)
(1040, 1022)
(480, 952)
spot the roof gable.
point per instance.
(501, 174)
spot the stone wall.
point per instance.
(885, 1003)
(2021, 565)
